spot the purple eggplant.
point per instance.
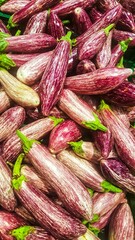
(53, 78)
(68, 6)
(126, 21)
(37, 23)
(119, 111)
(3, 27)
(106, 5)
(86, 150)
(97, 82)
(122, 223)
(123, 95)
(79, 111)
(68, 187)
(91, 46)
(111, 16)
(30, 9)
(24, 44)
(123, 138)
(73, 60)
(37, 130)
(85, 66)
(10, 121)
(62, 134)
(95, 14)
(118, 173)
(7, 197)
(21, 211)
(119, 35)
(12, 6)
(104, 55)
(129, 4)
(55, 26)
(81, 20)
(131, 113)
(5, 101)
(31, 71)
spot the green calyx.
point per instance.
(95, 124)
(91, 191)
(67, 38)
(22, 232)
(77, 147)
(124, 44)
(108, 29)
(103, 106)
(95, 230)
(17, 177)
(108, 187)
(56, 120)
(121, 63)
(11, 24)
(6, 62)
(18, 32)
(4, 35)
(3, 45)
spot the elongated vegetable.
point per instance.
(24, 44)
(106, 5)
(5, 101)
(12, 6)
(43, 209)
(35, 130)
(89, 235)
(55, 26)
(85, 66)
(97, 82)
(25, 214)
(119, 35)
(124, 140)
(126, 21)
(79, 111)
(3, 27)
(95, 14)
(129, 4)
(52, 81)
(70, 190)
(17, 91)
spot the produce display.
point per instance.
(67, 119)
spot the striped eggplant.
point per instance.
(123, 95)
(117, 52)
(87, 172)
(122, 114)
(73, 60)
(111, 16)
(95, 14)
(30, 9)
(99, 81)
(106, 5)
(85, 66)
(131, 113)
(121, 225)
(119, 35)
(68, 6)
(17, 91)
(81, 20)
(117, 172)
(68, 187)
(79, 111)
(128, 4)
(23, 43)
(89, 235)
(3, 27)
(37, 23)
(53, 78)
(104, 55)
(93, 44)
(12, 6)
(7, 197)
(86, 150)
(5, 101)
(37, 130)
(126, 21)
(62, 134)
(21, 211)
(55, 26)
(31, 71)
(123, 138)
(10, 121)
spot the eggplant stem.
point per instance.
(22, 232)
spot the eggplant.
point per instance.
(12, 6)
(122, 224)
(95, 14)
(122, 114)
(62, 134)
(119, 35)
(53, 78)
(17, 91)
(3, 27)
(30, 9)
(97, 82)
(37, 23)
(128, 4)
(79, 111)
(92, 45)
(10, 121)
(55, 26)
(85, 66)
(126, 21)
(89, 235)
(37, 130)
(5, 101)
(131, 113)
(68, 187)
(24, 44)
(124, 140)
(106, 5)
(21, 211)
(123, 95)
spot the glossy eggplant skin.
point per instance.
(119, 35)
(123, 95)
(128, 4)
(126, 21)
(46, 212)
(3, 27)
(52, 81)
(97, 82)
(12, 6)
(5, 101)
(118, 173)
(95, 14)
(85, 66)
(55, 26)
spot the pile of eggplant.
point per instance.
(67, 119)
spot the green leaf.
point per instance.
(27, 143)
(108, 187)
(77, 147)
(95, 124)
(109, 28)
(6, 62)
(56, 120)
(22, 232)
